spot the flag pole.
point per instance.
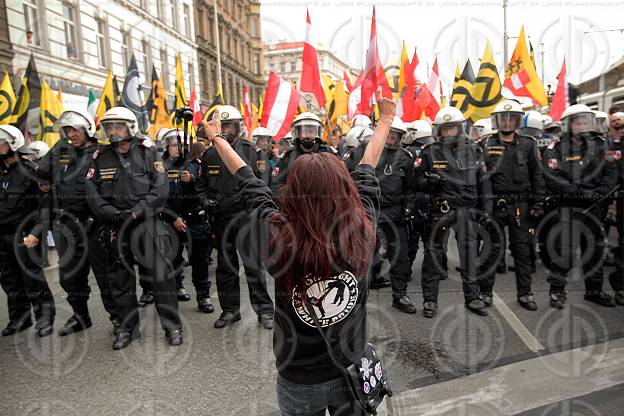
(218, 44)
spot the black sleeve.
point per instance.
(538, 186)
(368, 187)
(554, 177)
(102, 209)
(159, 184)
(278, 176)
(255, 195)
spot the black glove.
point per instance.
(122, 216)
(537, 211)
(210, 205)
(433, 179)
(592, 196)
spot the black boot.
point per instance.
(266, 320)
(146, 298)
(600, 298)
(404, 304)
(174, 337)
(44, 327)
(205, 305)
(183, 295)
(430, 309)
(528, 302)
(14, 327)
(477, 306)
(226, 319)
(558, 298)
(123, 339)
(75, 324)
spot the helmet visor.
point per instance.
(115, 131)
(71, 119)
(579, 123)
(506, 121)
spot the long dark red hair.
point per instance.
(327, 229)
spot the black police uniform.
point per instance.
(578, 176)
(120, 187)
(280, 172)
(395, 172)
(515, 172)
(460, 192)
(616, 278)
(23, 212)
(183, 202)
(217, 190)
(65, 167)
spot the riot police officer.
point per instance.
(127, 188)
(64, 168)
(22, 224)
(217, 190)
(307, 130)
(616, 152)
(356, 141)
(580, 174)
(453, 171)
(263, 139)
(481, 130)
(187, 217)
(514, 167)
(395, 172)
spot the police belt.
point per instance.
(194, 217)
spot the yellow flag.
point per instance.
(180, 94)
(520, 75)
(7, 99)
(338, 106)
(461, 94)
(157, 106)
(404, 63)
(108, 99)
(51, 110)
(328, 87)
(486, 91)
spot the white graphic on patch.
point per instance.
(333, 298)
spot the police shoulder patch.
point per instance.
(90, 173)
(346, 156)
(261, 165)
(275, 171)
(95, 154)
(417, 162)
(159, 166)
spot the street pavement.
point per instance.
(513, 362)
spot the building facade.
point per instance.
(240, 45)
(76, 42)
(605, 90)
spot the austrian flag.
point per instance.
(552, 163)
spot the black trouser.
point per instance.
(462, 222)
(616, 278)
(77, 250)
(234, 233)
(520, 241)
(562, 233)
(146, 242)
(416, 232)
(23, 281)
(395, 234)
(198, 249)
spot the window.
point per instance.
(254, 27)
(191, 70)
(187, 20)
(33, 30)
(293, 66)
(160, 11)
(164, 68)
(256, 63)
(215, 81)
(101, 40)
(71, 37)
(210, 30)
(173, 7)
(147, 56)
(126, 48)
(282, 67)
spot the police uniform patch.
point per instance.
(158, 165)
(614, 154)
(213, 170)
(275, 171)
(346, 156)
(417, 162)
(261, 165)
(440, 164)
(552, 163)
(90, 173)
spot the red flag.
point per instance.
(196, 108)
(247, 117)
(432, 107)
(374, 74)
(560, 99)
(310, 72)
(347, 82)
(410, 111)
(281, 100)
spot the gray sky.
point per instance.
(456, 30)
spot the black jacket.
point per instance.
(515, 169)
(395, 172)
(280, 172)
(182, 200)
(217, 184)
(136, 182)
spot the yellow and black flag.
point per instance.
(180, 93)
(486, 90)
(460, 97)
(7, 99)
(51, 110)
(109, 97)
(29, 96)
(133, 96)
(157, 106)
(217, 102)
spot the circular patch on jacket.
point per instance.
(332, 298)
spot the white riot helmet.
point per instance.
(13, 136)
(361, 120)
(480, 129)
(398, 129)
(165, 136)
(307, 130)
(39, 148)
(532, 124)
(77, 119)
(419, 131)
(358, 135)
(113, 122)
(260, 132)
(507, 116)
(580, 116)
(231, 115)
(449, 117)
(602, 122)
